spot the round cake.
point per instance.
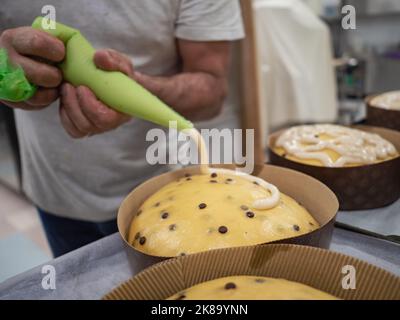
(333, 146)
(203, 212)
(389, 100)
(251, 288)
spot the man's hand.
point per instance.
(198, 92)
(82, 114)
(23, 46)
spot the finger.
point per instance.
(71, 106)
(111, 60)
(28, 41)
(68, 125)
(43, 97)
(38, 73)
(150, 83)
(98, 113)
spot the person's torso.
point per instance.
(107, 165)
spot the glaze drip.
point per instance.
(262, 204)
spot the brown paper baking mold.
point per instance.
(318, 268)
(300, 187)
(381, 117)
(357, 188)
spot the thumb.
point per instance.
(111, 60)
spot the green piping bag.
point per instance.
(115, 89)
(14, 86)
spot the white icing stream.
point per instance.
(390, 100)
(261, 204)
(353, 146)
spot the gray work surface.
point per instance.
(92, 271)
(383, 221)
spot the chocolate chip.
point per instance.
(214, 175)
(250, 214)
(244, 208)
(256, 183)
(157, 204)
(311, 224)
(139, 213)
(316, 136)
(188, 179)
(137, 236)
(213, 181)
(223, 229)
(181, 297)
(296, 227)
(202, 206)
(183, 254)
(172, 227)
(229, 180)
(142, 240)
(260, 280)
(230, 286)
(165, 215)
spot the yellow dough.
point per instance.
(251, 288)
(321, 137)
(389, 100)
(204, 212)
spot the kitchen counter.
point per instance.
(92, 271)
(383, 221)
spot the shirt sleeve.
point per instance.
(209, 20)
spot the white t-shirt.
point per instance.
(87, 179)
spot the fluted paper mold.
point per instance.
(357, 188)
(300, 187)
(381, 117)
(318, 268)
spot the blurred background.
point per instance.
(367, 59)
(312, 70)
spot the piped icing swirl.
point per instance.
(353, 146)
(389, 100)
(262, 204)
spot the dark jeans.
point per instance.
(65, 235)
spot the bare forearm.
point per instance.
(197, 96)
